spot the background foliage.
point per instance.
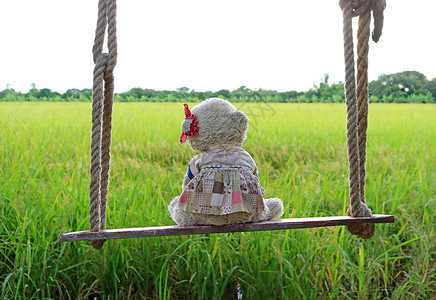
(405, 87)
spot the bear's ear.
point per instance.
(240, 120)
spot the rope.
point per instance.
(102, 100)
(357, 102)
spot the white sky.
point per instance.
(205, 45)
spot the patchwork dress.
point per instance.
(223, 181)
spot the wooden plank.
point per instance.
(277, 224)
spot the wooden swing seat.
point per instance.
(277, 224)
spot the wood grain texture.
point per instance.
(277, 224)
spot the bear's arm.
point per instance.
(248, 159)
(193, 169)
(254, 166)
(186, 180)
(194, 166)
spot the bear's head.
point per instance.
(219, 122)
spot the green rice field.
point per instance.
(300, 150)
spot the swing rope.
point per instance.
(357, 102)
(102, 101)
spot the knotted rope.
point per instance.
(102, 100)
(357, 111)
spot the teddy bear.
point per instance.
(221, 185)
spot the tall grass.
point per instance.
(300, 151)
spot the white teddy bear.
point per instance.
(221, 186)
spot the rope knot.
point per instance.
(101, 62)
(359, 210)
(366, 230)
(102, 67)
(361, 7)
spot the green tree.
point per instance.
(399, 86)
(183, 89)
(224, 94)
(431, 87)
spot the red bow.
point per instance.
(193, 130)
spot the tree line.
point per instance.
(404, 87)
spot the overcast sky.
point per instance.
(205, 45)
